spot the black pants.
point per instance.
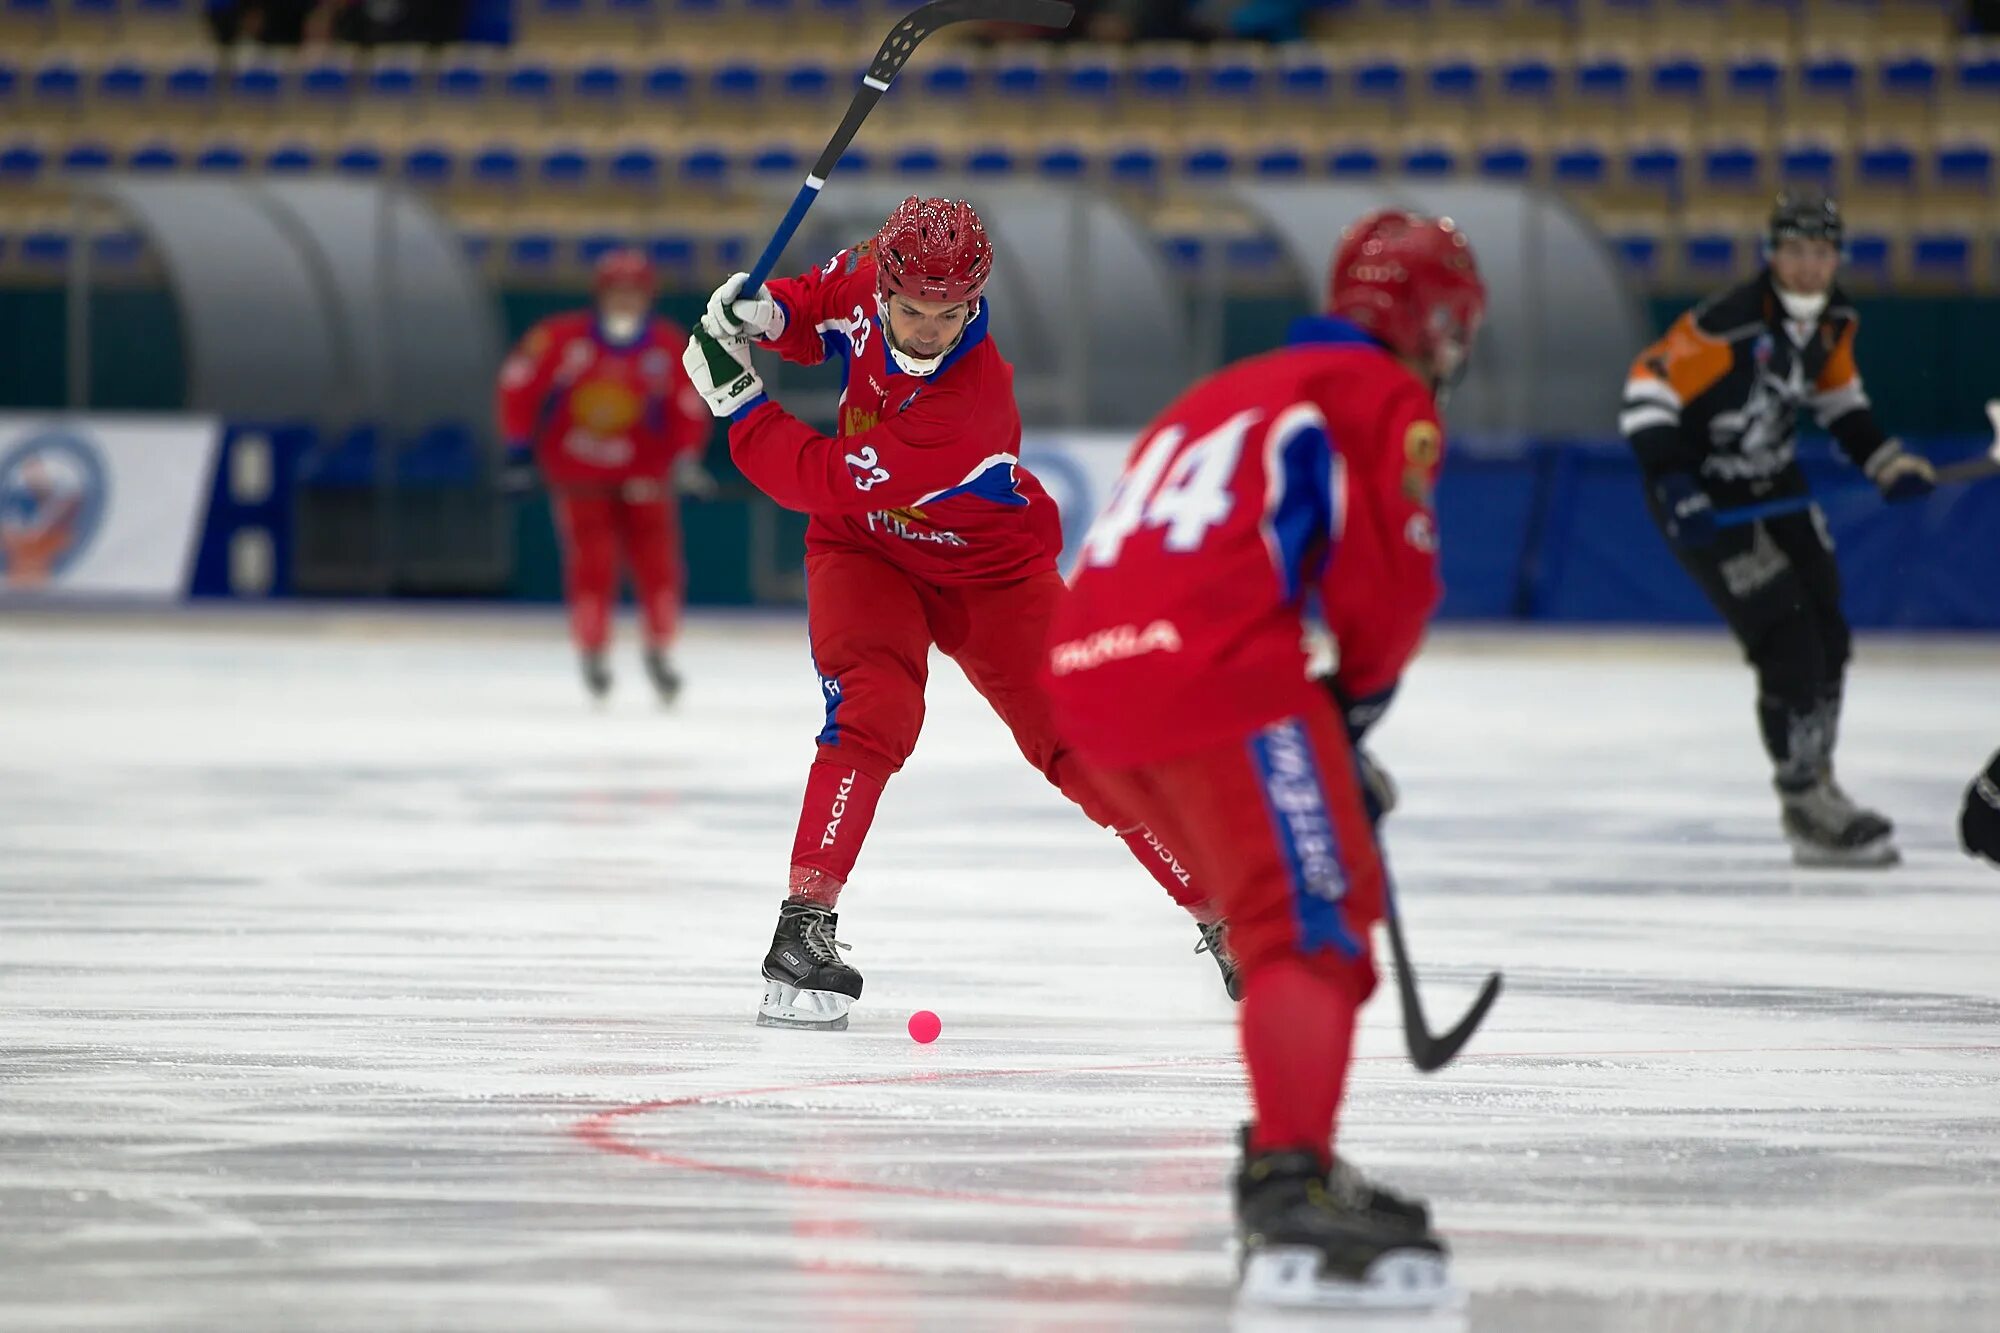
(1777, 585)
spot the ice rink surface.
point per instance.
(355, 974)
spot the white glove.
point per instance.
(721, 372)
(691, 478)
(729, 312)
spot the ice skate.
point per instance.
(666, 680)
(1826, 828)
(1331, 1241)
(1215, 943)
(596, 674)
(806, 985)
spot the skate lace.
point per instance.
(817, 935)
(1212, 941)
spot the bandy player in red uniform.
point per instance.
(1305, 471)
(925, 530)
(598, 399)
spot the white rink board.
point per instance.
(356, 975)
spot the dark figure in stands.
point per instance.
(1711, 411)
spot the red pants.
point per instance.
(872, 627)
(594, 524)
(1274, 829)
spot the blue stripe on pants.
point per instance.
(1288, 772)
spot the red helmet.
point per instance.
(624, 268)
(933, 250)
(1412, 282)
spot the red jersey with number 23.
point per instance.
(1308, 469)
(925, 471)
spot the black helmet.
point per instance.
(1804, 212)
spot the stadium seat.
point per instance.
(1733, 167)
(1091, 82)
(24, 164)
(495, 168)
(1579, 167)
(1207, 162)
(807, 83)
(1134, 165)
(1525, 93)
(991, 160)
(1884, 166)
(1357, 161)
(1810, 161)
(429, 165)
(1638, 250)
(86, 157)
(55, 89)
(1652, 169)
(44, 246)
(1058, 161)
(533, 249)
(1826, 89)
(360, 159)
(462, 91)
(1429, 159)
(154, 157)
(1869, 257)
(665, 89)
(326, 86)
(1601, 84)
(1305, 86)
(635, 169)
(672, 252)
(222, 157)
(255, 90)
(190, 88)
(1962, 168)
(1944, 255)
(528, 91)
(1505, 160)
(124, 86)
(947, 82)
(594, 245)
(597, 92)
(1235, 83)
(1162, 80)
(916, 159)
(1677, 89)
(704, 165)
(1454, 90)
(291, 157)
(779, 159)
(1972, 97)
(1711, 256)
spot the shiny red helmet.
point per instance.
(1412, 282)
(933, 250)
(624, 269)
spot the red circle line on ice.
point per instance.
(602, 1130)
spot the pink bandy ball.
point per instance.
(925, 1026)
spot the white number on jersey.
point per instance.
(1184, 491)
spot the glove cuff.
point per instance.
(748, 407)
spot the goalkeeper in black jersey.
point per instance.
(1711, 411)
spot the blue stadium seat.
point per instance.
(86, 157)
(671, 251)
(777, 159)
(1305, 79)
(1430, 161)
(636, 167)
(117, 249)
(1163, 78)
(1978, 74)
(1605, 77)
(732, 251)
(1942, 254)
(191, 83)
(1638, 251)
(476, 242)
(600, 84)
(1910, 75)
(856, 161)
(594, 245)
(291, 158)
(665, 86)
(1205, 163)
(808, 80)
(463, 84)
(917, 159)
(947, 79)
(563, 168)
(103, 12)
(705, 165)
(1134, 165)
(1090, 78)
(1732, 167)
(1579, 166)
(256, 86)
(1455, 81)
(394, 82)
(429, 165)
(1253, 254)
(57, 84)
(1508, 163)
(1355, 161)
(1965, 166)
(1528, 79)
(533, 250)
(644, 14)
(1886, 165)
(1186, 251)
(1868, 255)
(1832, 76)
(1677, 78)
(1279, 162)
(769, 11)
(223, 157)
(1809, 163)
(530, 85)
(10, 77)
(124, 82)
(31, 13)
(361, 160)
(1234, 79)
(1710, 256)
(165, 12)
(496, 166)
(23, 164)
(1059, 162)
(1381, 81)
(991, 160)
(1018, 78)
(155, 157)
(1656, 167)
(1754, 76)
(736, 81)
(326, 83)
(44, 247)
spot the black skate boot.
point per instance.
(805, 983)
(596, 675)
(666, 680)
(1826, 828)
(1330, 1240)
(1215, 943)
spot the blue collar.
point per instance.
(1329, 330)
(975, 334)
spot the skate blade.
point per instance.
(788, 1007)
(1401, 1282)
(1868, 856)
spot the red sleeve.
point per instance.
(525, 380)
(947, 436)
(834, 290)
(1382, 583)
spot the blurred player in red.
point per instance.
(925, 531)
(597, 399)
(1176, 669)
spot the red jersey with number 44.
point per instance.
(1307, 469)
(925, 471)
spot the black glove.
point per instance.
(1690, 513)
(1378, 789)
(1358, 714)
(1979, 823)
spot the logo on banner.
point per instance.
(52, 490)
